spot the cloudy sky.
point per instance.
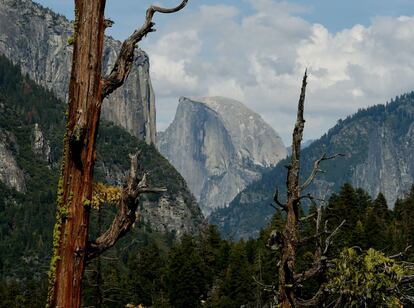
(358, 52)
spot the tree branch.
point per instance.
(317, 268)
(320, 256)
(316, 169)
(328, 240)
(314, 301)
(277, 201)
(266, 287)
(126, 214)
(125, 58)
(406, 280)
(401, 253)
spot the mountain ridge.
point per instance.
(378, 143)
(36, 39)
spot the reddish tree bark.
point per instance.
(75, 187)
(86, 92)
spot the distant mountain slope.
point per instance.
(31, 131)
(379, 146)
(36, 39)
(219, 146)
(305, 144)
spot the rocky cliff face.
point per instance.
(219, 146)
(10, 173)
(174, 211)
(36, 39)
(378, 143)
(31, 131)
(40, 146)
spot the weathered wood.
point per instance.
(316, 169)
(126, 214)
(87, 90)
(125, 58)
(288, 240)
(85, 97)
(287, 296)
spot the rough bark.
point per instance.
(86, 92)
(126, 214)
(287, 296)
(71, 230)
(288, 240)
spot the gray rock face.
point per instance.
(219, 146)
(173, 214)
(378, 143)
(10, 173)
(389, 167)
(176, 210)
(36, 39)
(40, 146)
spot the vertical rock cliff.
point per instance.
(40, 146)
(378, 144)
(219, 146)
(36, 39)
(10, 173)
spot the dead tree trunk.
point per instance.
(75, 186)
(290, 235)
(288, 240)
(87, 90)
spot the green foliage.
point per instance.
(27, 220)
(365, 279)
(238, 285)
(186, 278)
(145, 270)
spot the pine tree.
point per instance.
(186, 275)
(377, 224)
(238, 285)
(144, 274)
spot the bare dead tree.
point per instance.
(87, 90)
(288, 239)
(126, 215)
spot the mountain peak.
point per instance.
(219, 146)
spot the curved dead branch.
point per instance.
(316, 169)
(401, 253)
(319, 264)
(277, 201)
(266, 287)
(314, 301)
(125, 58)
(126, 214)
(328, 240)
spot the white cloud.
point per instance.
(260, 59)
(171, 77)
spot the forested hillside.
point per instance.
(27, 213)
(377, 142)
